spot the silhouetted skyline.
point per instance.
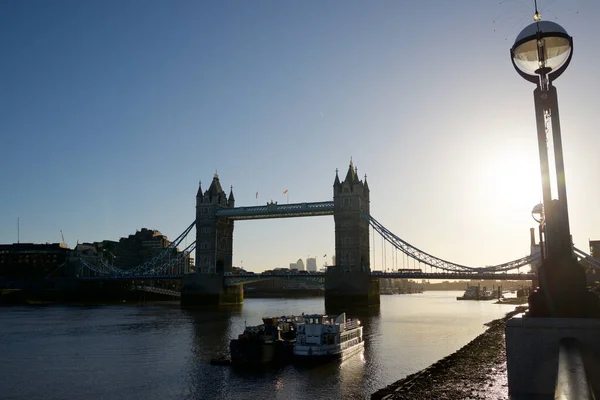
(111, 112)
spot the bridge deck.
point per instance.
(274, 210)
(234, 279)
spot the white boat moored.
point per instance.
(321, 336)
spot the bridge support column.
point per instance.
(347, 289)
(209, 289)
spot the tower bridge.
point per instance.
(349, 282)
(352, 281)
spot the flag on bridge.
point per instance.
(285, 191)
(257, 195)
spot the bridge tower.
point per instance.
(349, 282)
(214, 235)
(214, 251)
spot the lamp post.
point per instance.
(540, 54)
(538, 209)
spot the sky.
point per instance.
(111, 112)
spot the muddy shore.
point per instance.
(476, 371)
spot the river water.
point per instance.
(163, 352)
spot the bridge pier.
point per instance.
(209, 289)
(348, 289)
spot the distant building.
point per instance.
(293, 266)
(311, 264)
(590, 265)
(238, 270)
(138, 248)
(86, 250)
(134, 250)
(33, 260)
(595, 248)
(300, 265)
(333, 260)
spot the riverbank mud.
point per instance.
(476, 371)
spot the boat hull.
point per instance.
(318, 355)
(251, 352)
(476, 298)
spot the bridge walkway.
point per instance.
(152, 289)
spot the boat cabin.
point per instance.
(322, 335)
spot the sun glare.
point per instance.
(511, 179)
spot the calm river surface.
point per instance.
(163, 352)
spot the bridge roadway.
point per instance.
(236, 279)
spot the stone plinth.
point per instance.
(209, 289)
(350, 289)
(532, 346)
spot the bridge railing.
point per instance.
(352, 323)
(572, 380)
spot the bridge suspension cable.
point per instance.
(158, 270)
(154, 266)
(163, 253)
(587, 258)
(435, 262)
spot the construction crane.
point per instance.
(63, 237)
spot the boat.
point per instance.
(476, 293)
(323, 337)
(220, 361)
(270, 342)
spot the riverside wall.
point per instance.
(65, 291)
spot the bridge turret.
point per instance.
(231, 199)
(199, 195)
(215, 193)
(351, 177)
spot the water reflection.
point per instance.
(157, 352)
(211, 330)
(361, 381)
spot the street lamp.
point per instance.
(538, 210)
(540, 54)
